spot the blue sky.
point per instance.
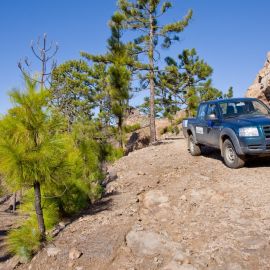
(232, 36)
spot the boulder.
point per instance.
(149, 243)
(74, 254)
(155, 198)
(53, 251)
(138, 140)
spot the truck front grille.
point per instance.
(266, 130)
(254, 146)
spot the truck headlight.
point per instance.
(248, 132)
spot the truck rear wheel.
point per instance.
(231, 158)
(194, 149)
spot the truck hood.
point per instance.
(249, 120)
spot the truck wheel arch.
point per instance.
(228, 133)
(191, 131)
(221, 141)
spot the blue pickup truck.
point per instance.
(239, 127)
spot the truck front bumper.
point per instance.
(254, 146)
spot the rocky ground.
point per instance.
(171, 211)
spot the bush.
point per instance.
(132, 128)
(95, 192)
(49, 206)
(178, 121)
(170, 129)
(25, 240)
(112, 153)
(3, 188)
(35, 147)
(74, 198)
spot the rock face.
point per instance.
(261, 86)
(135, 117)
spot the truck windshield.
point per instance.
(237, 108)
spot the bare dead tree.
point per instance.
(45, 53)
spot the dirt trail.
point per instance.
(168, 210)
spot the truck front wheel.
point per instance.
(231, 158)
(195, 149)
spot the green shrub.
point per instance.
(112, 153)
(95, 191)
(25, 240)
(178, 121)
(164, 131)
(74, 199)
(3, 189)
(132, 128)
(170, 129)
(49, 206)
(176, 130)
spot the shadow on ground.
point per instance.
(213, 153)
(252, 162)
(4, 254)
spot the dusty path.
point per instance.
(171, 211)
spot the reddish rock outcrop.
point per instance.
(261, 86)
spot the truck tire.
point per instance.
(231, 158)
(194, 149)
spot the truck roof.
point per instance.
(228, 99)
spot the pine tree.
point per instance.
(177, 84)
(229, 93)
(72, 90)
(31, 148)
(119, 75)
(102, 99)
(120, 63)
(79, 91)
(206, 91)
(144, 16)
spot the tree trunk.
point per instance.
(21, 195)
(14, 202)
(152, 82)
(121, 143)
(39, 213)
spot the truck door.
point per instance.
(213, 126)
(201, 125)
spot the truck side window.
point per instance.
(202, 112)
(212, 109)
(223, 107)
(228, 109)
